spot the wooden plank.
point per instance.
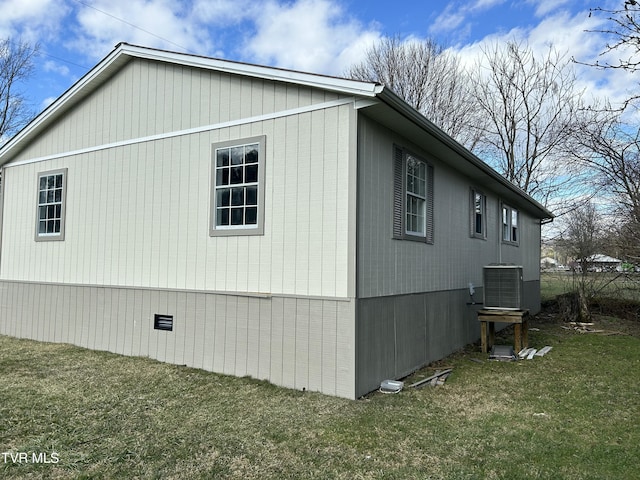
(432, 377)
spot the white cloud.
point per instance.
(31, 20)
(309, 35)
(574, 35)
(156, 23)
(544, 7)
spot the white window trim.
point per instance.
(236, 230)
(57, 236)
(512, 234)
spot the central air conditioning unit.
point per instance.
(503, 287)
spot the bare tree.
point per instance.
(612, 154)
(580, 242)
(428, 77)
(16, 65)
(532, 110)
(624, 31)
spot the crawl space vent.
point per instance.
(163, 322)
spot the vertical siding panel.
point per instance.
(174, 301)
(242, 336)
(345, 358)
(301, 344)
(146, 323)
(131, 333)
(195, 339)
(65, 329)
(172, 215)
(277, 340)
(210, 323)
(265, 347)
(329, 347)
(290, 188)
(253, 337)
(316, 340)
(85, 316)
(183, 328)
(316, 248)
(346, 198)
(5, 311)
(231, 335)
(289, 343)
(109, 320)
(275, 210)
(119, 308)
(220, 343)
(156, 350)
(50, 316)
(330, 206)
(304, 214)
(136, 313)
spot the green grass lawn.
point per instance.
(573, 414)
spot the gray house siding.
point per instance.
(412, 305)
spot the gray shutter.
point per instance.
(429, 204)
(398, 193)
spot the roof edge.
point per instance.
(124, 52)
(397, 103)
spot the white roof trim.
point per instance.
(124, 52)
(337, 84)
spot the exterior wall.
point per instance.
(138, 211)
(387, 266)
(412, 296)
(398, 334)
(299, 343)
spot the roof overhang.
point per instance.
(395, 113)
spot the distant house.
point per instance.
(601, 263)
(312, 231)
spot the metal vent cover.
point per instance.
(163, 322)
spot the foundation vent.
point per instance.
(163, 322)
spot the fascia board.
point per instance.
(340, 85)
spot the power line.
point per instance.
(132, 25)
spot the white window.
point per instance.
(413, 197)
(50, 213)
(416, 201)
(510, 231)
(478, 214)
(237, 197)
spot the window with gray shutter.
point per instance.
(412, 197)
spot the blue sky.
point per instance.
(321, 36)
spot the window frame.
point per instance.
(216, 230)
(60, 234)
(402, 193)
(473, 214)
(510, 231)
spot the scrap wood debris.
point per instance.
(434, 380)
(585, 327)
